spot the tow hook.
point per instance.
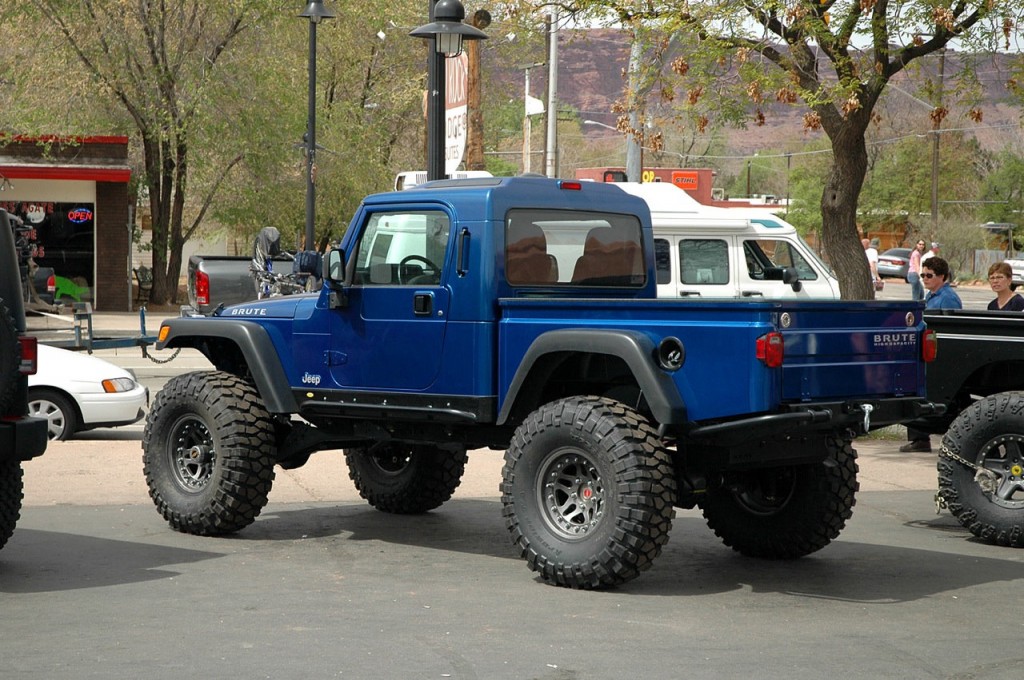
(867, 409)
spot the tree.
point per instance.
(837, 57)
(159, 65)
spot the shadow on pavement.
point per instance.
(50, 561)
(886, 560)
(694, 562)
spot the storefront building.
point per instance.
(74, 191)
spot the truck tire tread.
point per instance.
(981, 425)
(634, 479)
(234, 488)
(405, 479)
(11, 493)
(751, 519)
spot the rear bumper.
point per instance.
(22, 438)
(858, 415)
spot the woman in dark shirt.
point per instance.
(999, 278)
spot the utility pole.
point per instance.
(634, 146)
(475, 130)
(937, 117)
(551, 150)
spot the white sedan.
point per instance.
(76, 392)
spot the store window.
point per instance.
(65, 233)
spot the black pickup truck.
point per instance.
(21, 438)
(979, 375)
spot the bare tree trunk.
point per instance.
(839, 232)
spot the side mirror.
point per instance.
(791, 277)
(334, 279)
(334, 267)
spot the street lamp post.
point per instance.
(446, 31)
(316, 12)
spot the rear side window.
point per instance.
(704, 261)
(663, 260)
(573, 248)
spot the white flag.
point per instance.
(533, 106)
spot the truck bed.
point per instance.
(834, 351)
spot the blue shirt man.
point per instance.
(934, 275)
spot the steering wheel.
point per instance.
(430, 266)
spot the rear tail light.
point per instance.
(571, 186)
(51, 284)
(770, 349)
(29, 355)
(929, 346)
(202, 288)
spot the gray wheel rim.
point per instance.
(571, 493)
(192, 453)
(390, 460)
(56, 421)
(767, 492)
(1004, 457)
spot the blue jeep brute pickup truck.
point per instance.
(520, 314)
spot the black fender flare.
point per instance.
(636, 349)
(255, 345)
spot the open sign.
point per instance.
(80, 215)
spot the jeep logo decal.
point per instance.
(310, 379)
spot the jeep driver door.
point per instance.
(391, 333)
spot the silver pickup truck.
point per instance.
(219, 279)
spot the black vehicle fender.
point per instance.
(636, 349)
(251, 340)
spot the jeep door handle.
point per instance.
(461, 264)
(423, 304)
(752, 293)
(689, 293)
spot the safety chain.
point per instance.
(986, 479)
(169, 359)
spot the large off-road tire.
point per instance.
(785, 512)
(208, 453)
(10, 358)
(405, 479)
(57, 410)
(990, 434)
(10, 498)
(588, 492)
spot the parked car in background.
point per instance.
(895, 262)
(1018, 271)
(76, 392)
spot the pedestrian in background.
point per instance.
(1000, 276)
(871, 252)
(931, 253)
(914, 272)
(934, 275)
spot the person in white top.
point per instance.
(931, 253)
(871, 251)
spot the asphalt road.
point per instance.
(94, 584)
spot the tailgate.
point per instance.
(852, 350)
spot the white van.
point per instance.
(411, 178)
(708, 252)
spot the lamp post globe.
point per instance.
(447, 32)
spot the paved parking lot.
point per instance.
(95, 585)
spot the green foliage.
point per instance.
(1004, 190)
(835, 58)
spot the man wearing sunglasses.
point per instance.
(934, 276)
